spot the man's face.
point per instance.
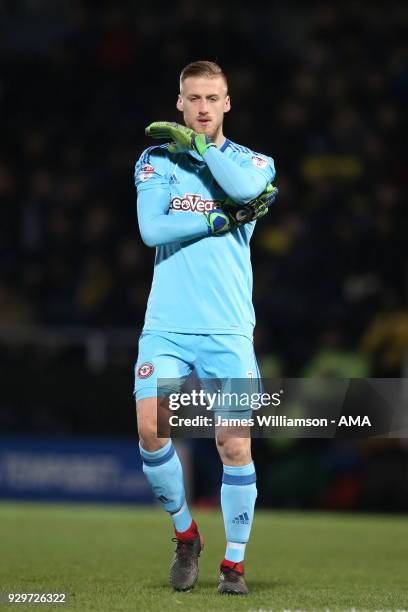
(203, 102)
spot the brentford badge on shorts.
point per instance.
(145, 370)
(259, 162)
(146, 172)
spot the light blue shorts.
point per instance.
(170, 355)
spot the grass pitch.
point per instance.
(116, 559)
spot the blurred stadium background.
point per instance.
(322, 88)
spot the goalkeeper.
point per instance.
(199, 196)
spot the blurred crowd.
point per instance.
(321, 87)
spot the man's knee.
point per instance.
(234, 451)
(146, 411)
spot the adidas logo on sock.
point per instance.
(242, 519)
(163, 499)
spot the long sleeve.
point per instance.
(158, 228)
(244, 181)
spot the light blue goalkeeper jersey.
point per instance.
(202, 284)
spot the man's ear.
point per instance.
(227, 104)
(179, 103)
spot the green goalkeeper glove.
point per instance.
(233, 214)
(256, 209)
(182, 136)
(218, 223)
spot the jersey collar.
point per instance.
(225, 145)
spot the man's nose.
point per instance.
(202, 107)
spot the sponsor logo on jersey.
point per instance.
(259, 162)
(145, 370)
(193, 202)
(146, 172)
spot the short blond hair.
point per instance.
(202, 68)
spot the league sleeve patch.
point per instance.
(259, 162)
(145, 370)
(146, 172)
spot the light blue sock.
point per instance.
(164, 472)
(238, 495)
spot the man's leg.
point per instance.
(166, 356)
(228, 361)
(238, 495)
(162, 467)
(163, 470)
